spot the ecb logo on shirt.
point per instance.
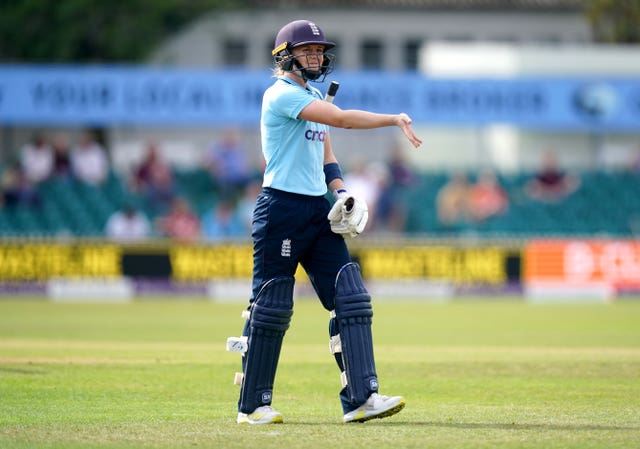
(314, 136)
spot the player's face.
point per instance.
(309, 56)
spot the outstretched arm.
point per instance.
(330, 114)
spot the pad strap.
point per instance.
(335, 343)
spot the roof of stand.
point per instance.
(462, 5)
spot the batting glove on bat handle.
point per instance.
(349, 215)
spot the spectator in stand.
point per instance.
(392, 204)
(128, 224)
(229, 165)
(89, 162)
(487, 198)
(180, 223)
(551, 183)
(151, 161)
(18, 190)
(634, 161)
(223, 222)
(401, 172)
(452, 201)
(154, 180)
(61, 156)
(366, 181)
(36, 159)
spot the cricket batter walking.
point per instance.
(293, 223)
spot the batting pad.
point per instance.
(354, 316)
(269, 320)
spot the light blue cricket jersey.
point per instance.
(293, 148)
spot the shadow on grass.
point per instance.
(471, 426)
(7, 370)
(521, 426)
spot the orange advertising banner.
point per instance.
(614, 262)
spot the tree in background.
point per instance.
(102, 31)
(93, 30)
(615, 21)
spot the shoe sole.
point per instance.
(392, 411)
(275, 420)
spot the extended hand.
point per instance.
(404, 122)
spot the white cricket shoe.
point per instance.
(377, 406)
(262, 415)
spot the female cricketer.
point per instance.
(294, 223)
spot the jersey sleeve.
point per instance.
(291, 102)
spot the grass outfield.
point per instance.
(476, 374)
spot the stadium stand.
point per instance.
(607, 204)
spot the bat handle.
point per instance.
(331, 92)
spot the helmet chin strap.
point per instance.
(306, 74)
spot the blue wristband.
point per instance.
(331, 172)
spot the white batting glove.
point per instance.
(349, 215)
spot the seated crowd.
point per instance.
(154, 205)
(158, 200)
